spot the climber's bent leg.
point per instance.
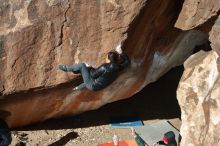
(81, 67)
(87, 79)
(76, 68)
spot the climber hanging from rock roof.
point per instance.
(98, 78)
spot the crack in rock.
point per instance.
(62, 26)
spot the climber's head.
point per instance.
(113, 57)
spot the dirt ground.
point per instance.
(155, 102)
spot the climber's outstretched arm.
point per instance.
(124, 57)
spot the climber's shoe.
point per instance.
(75, 89)
(62, 67)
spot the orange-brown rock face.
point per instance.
(36, 36)
(196, 12)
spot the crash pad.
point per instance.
(121, 143)
(125, 122)
(155, 132)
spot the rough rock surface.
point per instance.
(198, 92)
(36, 36)
(215, 36)
(196, 12)
(199, 99)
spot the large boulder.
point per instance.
(198, 95)
(37, 35)
(199, 88)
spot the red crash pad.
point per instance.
(121, 143)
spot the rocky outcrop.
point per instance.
(198, 92)
(196, 12)
(36, 36)
(215, 36)
(199, 98)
